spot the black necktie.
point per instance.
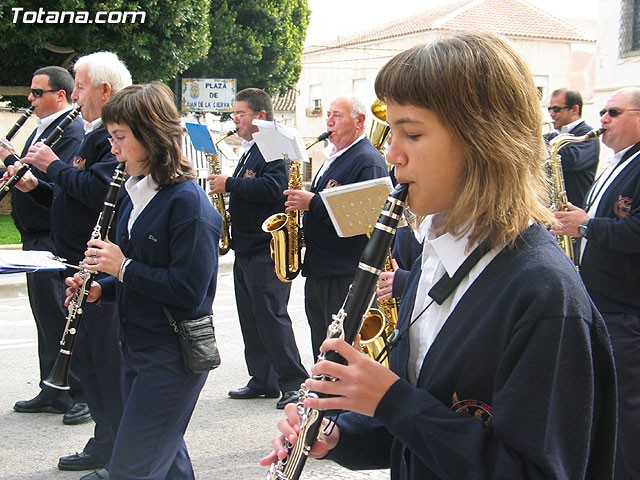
(241, 161)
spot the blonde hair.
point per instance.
(484, 95)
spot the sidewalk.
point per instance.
(15, 284)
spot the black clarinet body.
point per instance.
(59, 375)
(6, 186)
(346, 324)
(23, 118)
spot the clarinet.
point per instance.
(6, 186)
(346, 324)
(19, 123)
(59, 375)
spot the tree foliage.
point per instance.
(259, 42)
(175, 34)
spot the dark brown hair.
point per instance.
(151, 114)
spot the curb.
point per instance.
(13, 285)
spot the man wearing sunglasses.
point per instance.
(579, 160)
(50, 98)
(610, 264)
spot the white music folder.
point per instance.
(16, 261)
(277, 141)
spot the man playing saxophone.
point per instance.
(579, 160)
(330, 261)
(609, 226)
(502, 367)
(255, 193)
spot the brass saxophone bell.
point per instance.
(379, 127)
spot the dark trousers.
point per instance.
(270, 348)
(624, 330)
(97, 358)
(323, 297)
(160, 398)
(46, 298)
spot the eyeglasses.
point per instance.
(38, 92)
(240, 114)
(556, 109)
(614, 112)
(116, 140)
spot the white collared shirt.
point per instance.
(439, 255)
(331, 154)
(141, 190)
(569, 126)
(91, 126)
(43, 123)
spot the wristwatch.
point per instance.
(583, 228)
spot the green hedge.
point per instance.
(8, 232)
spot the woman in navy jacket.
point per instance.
(510, 374)
(165, 253)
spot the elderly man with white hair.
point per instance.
(76, 194)
(331, 261)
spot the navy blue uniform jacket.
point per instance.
(30, 217)
(527, 345)
(610, 264)
(326, 253)
(579, 164)
(255, 193)
(77, 195)
(174, 260)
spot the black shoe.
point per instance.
(79, 413)
(102, 473)
(287, 397)
(248, 392)
(40, 403)
(80, 461)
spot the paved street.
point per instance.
(226, 437)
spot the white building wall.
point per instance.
(337, 71)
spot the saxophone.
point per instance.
(217, 199)
(558, 194)
(382, 321)
(346, 324)
(379, 324)
(59, 376)
(286, 228)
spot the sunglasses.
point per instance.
(38, 92)
(614, 112)
(556, 109)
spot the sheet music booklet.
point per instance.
(201, 138)
(279, 141)
(16, 261)
(355, 208)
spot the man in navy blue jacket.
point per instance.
(610, 229)
(579, 159)
(76, 195)
(330, 261)
(255, 193)
(50, 97)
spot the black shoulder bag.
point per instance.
(197, 342)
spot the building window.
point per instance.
(542, 84)
(315, 100)
(630, 28)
